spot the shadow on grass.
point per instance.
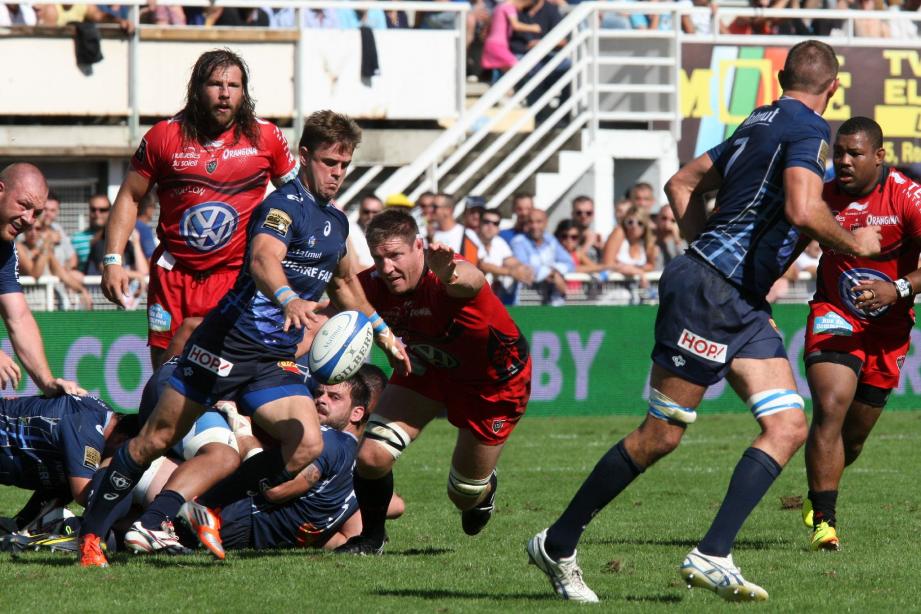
(43, 559)
(653, 598)
(449, 594)
(742, 544)
(427, 551)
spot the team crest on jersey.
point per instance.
(312, 241)
(91, 457)
(822, 157)
(208, 226)
(141, 151)
(211, 166)
(119, 481)
(900, 361)
(497, 426)
(289, 366)
(277, 220)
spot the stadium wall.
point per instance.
(588, 361)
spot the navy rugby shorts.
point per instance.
(704, 322)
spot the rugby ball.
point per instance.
(340, 347)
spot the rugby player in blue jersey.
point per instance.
(714, 322)
(53, 446)
(245, 348)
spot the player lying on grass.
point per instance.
(861, 317)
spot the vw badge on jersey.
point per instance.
(208, 226)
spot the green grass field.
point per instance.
(629, 554)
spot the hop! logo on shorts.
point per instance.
(208, 226)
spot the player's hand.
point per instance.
(59, 386)
(395, 351)
(300, 314)
(441, 261)
(115, 284)
(873, 295)
(868, 241)
(9, 372)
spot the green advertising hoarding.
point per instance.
(587, 360)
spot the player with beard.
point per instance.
(861, 317)
(211, 164)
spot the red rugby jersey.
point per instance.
(895, 206)
(208, 192)
(472, 341)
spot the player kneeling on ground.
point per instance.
(468, 357)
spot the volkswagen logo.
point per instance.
(208, 226)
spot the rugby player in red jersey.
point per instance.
(211, 164)
(861, 316)
(469, 358)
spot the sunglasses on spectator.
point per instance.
(634, 223)
(573, 236)
(584, 212)
(490, 222)
(99, 209)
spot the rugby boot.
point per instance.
(825, 537)
(720, 575)
(91, 554)
(361, 545)
(565, 574)
(141, 540)
(206, 524)
(474, 519)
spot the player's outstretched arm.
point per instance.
(267, 254)
(121, 223)
(345, 292)
(806, 210)
(685, 191)
(295, 487)
(27, 343)
(460, 278)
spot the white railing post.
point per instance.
(49, 294)
(676, 76)
(134, 73)
(461, 19)
(594, 93)
(300, 50)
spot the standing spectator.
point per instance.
(522, 204)
(630, 252)
(211, 164)
(583, 214)
(424, 212)
(642, 195)
(547, 16)
(369, 206)
(456, 236)
(145, 217)
(497, 55)
(99, 207)
(668, 241)
(503, 270)
(538, 249)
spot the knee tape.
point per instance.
(773, 401)
(388, 434)
(465, 487)
(139, 494)
(664, 408)
(193, 442)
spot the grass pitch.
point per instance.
(630, 553)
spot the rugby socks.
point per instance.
(374, 496)
(165, 506)
(109, 499)
(257, 474)
(613, 473)
(753, 475)
(824, 503)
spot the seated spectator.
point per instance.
(17, 15)
(456, 236)
(424, 211)
(538, 249)
(63, 248)
(99, 207)
(502, 269)
(583, 214)
(871, 28)
(134, 262)
(620, 210)
(522, 204)
(172, 15)
(36, 250)
(700, 23)
(612, 20)
(808, 261)
(904, 28)
(497, 55)
(473, 210)
(643, 196)
(369, 206)
(664, 21)
(569, 236)
(62, 14)
(237, 17)
(631, 252)
(668, 241)
(146, 208)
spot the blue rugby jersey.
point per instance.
(322, 508)
(316, 238)
(43, 441)
(9, 268)
(748, 237)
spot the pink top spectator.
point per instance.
(496, 52)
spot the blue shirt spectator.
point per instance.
(540, 250)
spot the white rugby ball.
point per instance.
(340, 347)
